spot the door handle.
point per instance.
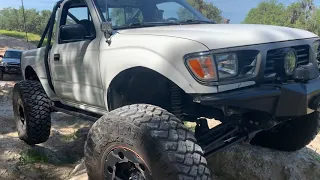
(56, 57)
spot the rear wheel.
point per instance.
(32, 112)
(291, 135)
(143, 142)
(1, 73)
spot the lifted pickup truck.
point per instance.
(142, 68)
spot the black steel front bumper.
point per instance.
(294, 99)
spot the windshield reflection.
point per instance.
(146, 13)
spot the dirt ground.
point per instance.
(54, 159)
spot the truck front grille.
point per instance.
(13, 64)
(275, 59)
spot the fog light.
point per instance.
(290, 61)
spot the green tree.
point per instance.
(268, 12)
(302, 14)
(314, 22)
(206, 8)
(298, 14)
(12, 19)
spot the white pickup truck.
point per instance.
(142, 68)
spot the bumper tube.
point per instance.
(286, 100)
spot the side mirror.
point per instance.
(106, 28)
(72, 32)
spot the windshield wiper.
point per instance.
(138, 24)
(147, 24)
(194, 21)
(153, 23)
(161, 23)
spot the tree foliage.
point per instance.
(206, 8)
(302, 14)
(12, 19)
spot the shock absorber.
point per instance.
(176, 100)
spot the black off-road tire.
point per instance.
(32, 112)
(1, 73)
(168, 148)
(291, 135)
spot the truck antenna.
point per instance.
(25, 24)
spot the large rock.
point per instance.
(246, 162)
(5, 90)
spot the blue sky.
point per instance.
(235, 10)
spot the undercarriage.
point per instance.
(243, 113)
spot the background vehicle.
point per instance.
(10, 62)
(145, 75)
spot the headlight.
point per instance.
(222, 66)
(227, 65)
(290, 61)
(203, 67)
(212, 67)
(3, 63)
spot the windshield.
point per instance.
(125, 13)
(13, 54)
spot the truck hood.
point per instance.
(10, 60)
(217, 36)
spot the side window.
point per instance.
(79, 13)
(175, 11)
(76, 25)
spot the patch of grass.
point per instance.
(31, 156)
(33, 38)
(190, 125)
(69, 137)
(317, 158)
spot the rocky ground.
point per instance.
(60, 158)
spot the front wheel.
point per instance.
(143, 142)
(291, 135)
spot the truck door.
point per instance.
(74, 60)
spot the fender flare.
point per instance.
(158, 64)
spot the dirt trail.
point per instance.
(11, 42)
